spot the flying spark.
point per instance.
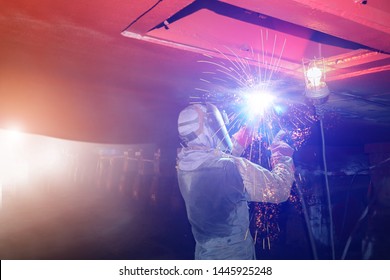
(247, 89)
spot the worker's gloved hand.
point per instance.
(244, 136)
(279, 147)
(242, 139)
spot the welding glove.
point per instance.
(242, 139)
(280, 149)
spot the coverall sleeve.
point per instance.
(263, 185)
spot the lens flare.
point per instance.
(12, 136)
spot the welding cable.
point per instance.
(327, 190)
(143, 14)
(364, 214)
(359, 172)
(347, 245)
(379, 164)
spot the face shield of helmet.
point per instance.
(216, 124)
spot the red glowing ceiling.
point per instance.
(69, 68)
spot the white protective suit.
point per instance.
(216, 186)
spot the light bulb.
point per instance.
(314, 75)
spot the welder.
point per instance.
(217, 184)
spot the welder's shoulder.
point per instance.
(226, 162)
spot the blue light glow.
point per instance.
(258, 102)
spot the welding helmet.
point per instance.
(204, 125)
